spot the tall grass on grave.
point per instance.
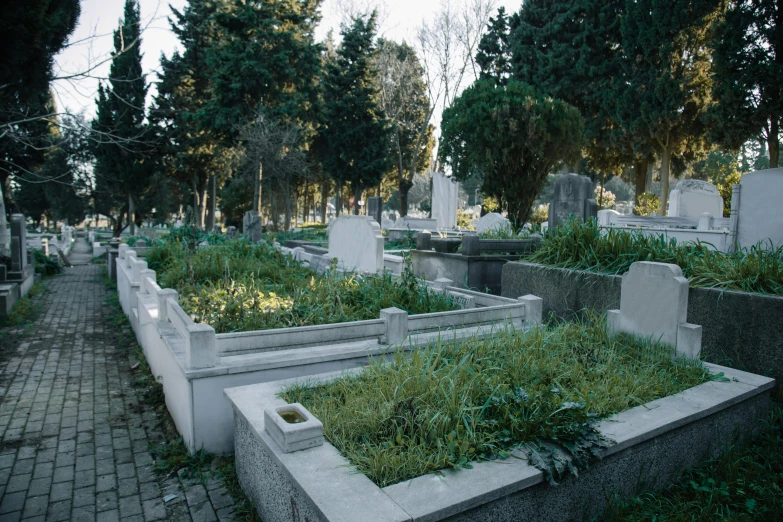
(451, 404)
(585, 246)
(234, 285)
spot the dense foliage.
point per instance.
(235, 285)
(452, 404)
(513, 137)
(585, 246)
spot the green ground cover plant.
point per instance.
(234, 285)
(504, 233)
(315, 233)
(45, 265)
(746, 483)
(455, 403)
(585, 246)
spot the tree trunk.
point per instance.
(212, 204)
(338, 200)
(5, 237)
(131, 215)
(773, 143)
(357, 196)
(666, 160)
(257, 189)
(640, 178)
(305, 206)
(287, 195)
(199, 203)
(324, 199)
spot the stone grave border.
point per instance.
(653, 443)
(195, 364)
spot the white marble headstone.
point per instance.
(445, 191)
(760, 214)
(491, 221)
(654, 304)
(692, 197)
(357, 243)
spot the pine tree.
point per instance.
(512, 136)
(264, 60)
(567, 48)
(747, 75)
(192, 154)
(665, 85)
(122, 177)
(494, 50)
(356, 131)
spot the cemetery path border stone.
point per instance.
(75, 434)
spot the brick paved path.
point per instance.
(74, 439)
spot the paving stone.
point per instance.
(81, 436)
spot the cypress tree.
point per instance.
(567, 49)
(192, 153)
(356, 130)
(494, 50)
(747, 75)
(122, 177)
(664, 87)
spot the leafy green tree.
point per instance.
(192, 154)
(567, 49)
(494, 50)
(31, 34)
(747, 75)
(664, 88)
(512, 135)
(264, 56)
(123, 143)
(404, 101)
(356, 131)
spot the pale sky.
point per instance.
(92, 39)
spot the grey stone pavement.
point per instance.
(75, 437)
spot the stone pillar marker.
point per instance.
(471, 245)
(251, 226)
(396, 325)
(424, 240)
(573, 196)
(654, 304)
(445, 192)
(18, 243)
(375, 208)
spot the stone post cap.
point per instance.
(293, 427)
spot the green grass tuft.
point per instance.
(234, 285)
(585, 246)
(451, 404)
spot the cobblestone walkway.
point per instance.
(74, 439)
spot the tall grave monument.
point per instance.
(573, 196)
(444, 200)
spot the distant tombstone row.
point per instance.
(573, 196)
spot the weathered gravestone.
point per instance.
(231, 231)
(573, 196)
(18, 243)
(492, 221)
(375, 208)
(758, 209)
(654, 304)
(445, 191)
(251, 226)
(357, 243)
(692, 197)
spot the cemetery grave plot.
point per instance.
(451, 405)
(600, 407)
(238, 286)
(303, 321)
